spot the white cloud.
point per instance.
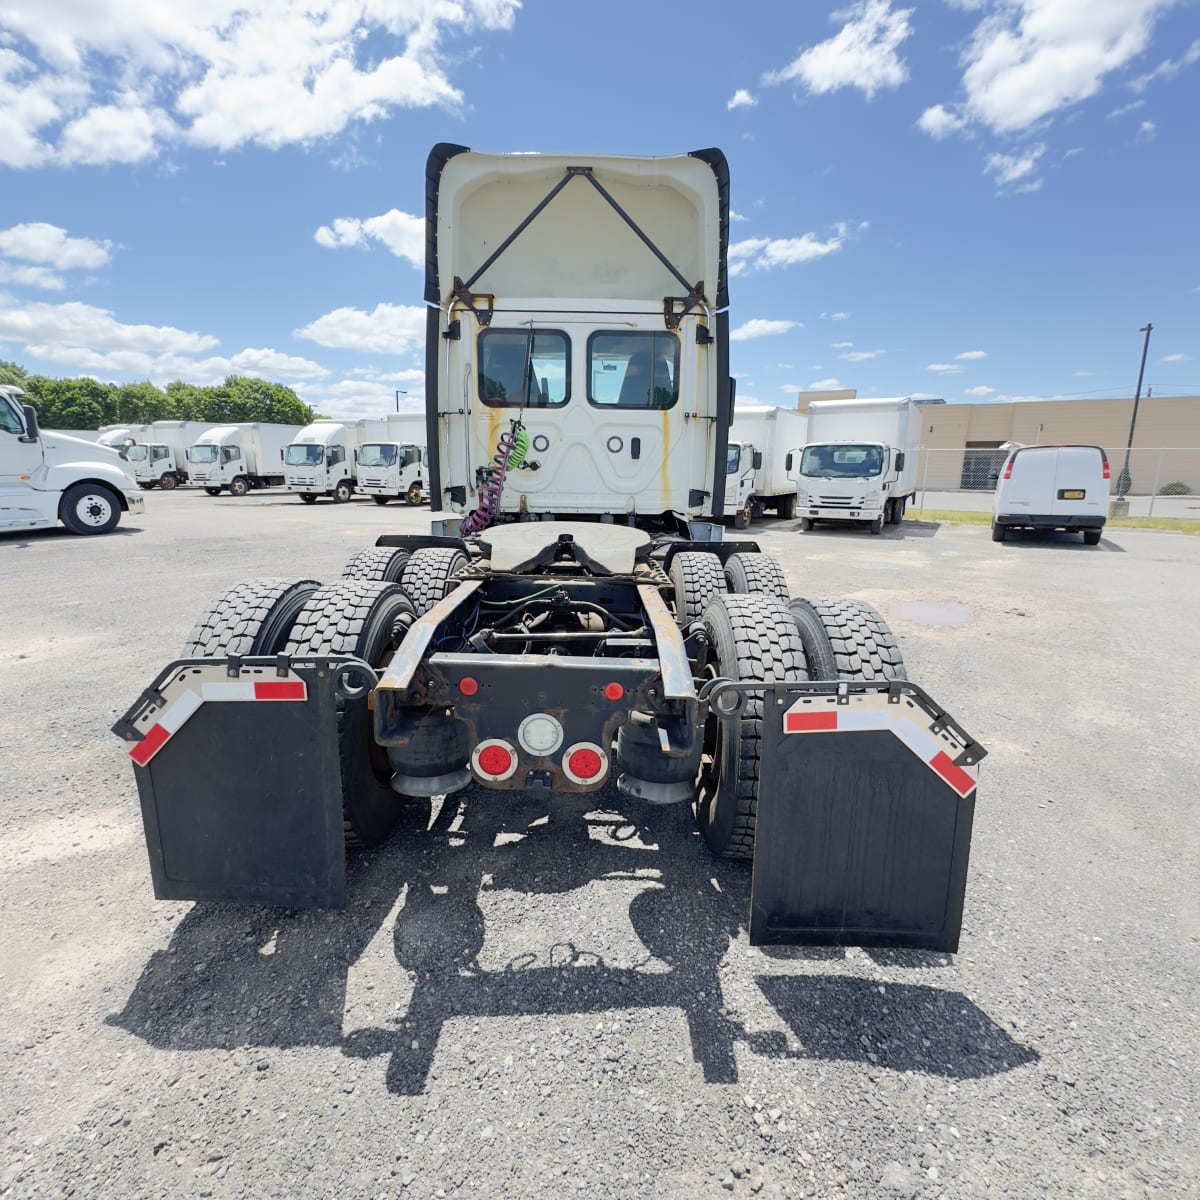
(837, 316)
(763, 254)
(1133, 106)
(275, 365)
(861, 355)
(741, 99)
(39, 242)
(41, 277)
(1172, 358)
(75, 325)
(1008, 168)
(1002, 398)
(402, 233)
(979, 390)
(1146, 132)
(840, 345)
(1074, 150)
(113, 81)
(761, 327)
(825, 385)
(862, 54)
(1027, 59)
(371, 397)
(737, 216)
(1083, 374)
(971, 355)
(945, 368)
(940, 122)
(388, 329)
(1168, 67)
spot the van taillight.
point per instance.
(1008, 469)
(1106, 468)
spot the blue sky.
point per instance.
(975, 199)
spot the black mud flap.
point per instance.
(866, 800)
(237, 771)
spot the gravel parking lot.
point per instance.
(538, 1001)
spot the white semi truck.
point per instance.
(573, 620)
(161, 460)
(761, 440)
(239, 457)
(860, 461)
(320, 459)
(47, 477)
(393, 467)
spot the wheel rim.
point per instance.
(167, 482)
(237, 487)
(414, 494)
(94, 509)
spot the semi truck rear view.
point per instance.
(574, 622)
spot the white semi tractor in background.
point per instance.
(161, 459)
(860, 461)
(757, 476)
(47, 477)
(394, 467)
(239, 457)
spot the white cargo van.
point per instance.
(1052, 487)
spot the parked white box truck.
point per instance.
(860, 461)
(757, 476)
(161, 460)
(47, 477)
(320, 459)
(239, 457)
(1052, 487)
(391, 464)
(121, 437)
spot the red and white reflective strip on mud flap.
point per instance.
(187, 702)
(866, 713)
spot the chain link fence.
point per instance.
(1158, 481)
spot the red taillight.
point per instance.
(495, 760)
(1008, 466)
(468, 686)
(1106, 475)
(614, 691)
(584, 762)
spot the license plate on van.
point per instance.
(1072, 494)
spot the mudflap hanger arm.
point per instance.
(671, 314)
(865, 809)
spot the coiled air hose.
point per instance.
(510, 452)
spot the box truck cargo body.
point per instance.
(860, 461)
(760, 442)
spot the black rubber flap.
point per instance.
(244, 804)
(858, 843)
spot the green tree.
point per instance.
(141, 403)
(11, 372)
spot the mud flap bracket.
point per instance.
(238, 775)
(865, 809)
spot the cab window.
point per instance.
(541, 359)
(9, 421)
(637, 369)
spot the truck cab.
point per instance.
(739, 482)
(47, 477)
(216, 458)
(320, 462)
(391, 470)
(152, 462)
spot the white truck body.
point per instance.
(320, 459)
(611, 355)
(860, 461)
(239, 457)
(773, 433)
(119, 437)
(161, 460)
(47, 477)
(1052, 487)
(390, 463)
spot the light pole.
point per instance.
(1123, 480)
(399, 393)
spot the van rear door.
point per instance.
(1080, 483)
(1027, 482)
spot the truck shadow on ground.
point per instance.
(909, 528)
(237, 976)
(1019, 540)
(24, 538)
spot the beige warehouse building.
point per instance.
(960, 442)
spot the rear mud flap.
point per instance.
(237, 771)
(866, 802)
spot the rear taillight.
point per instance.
(494, 760)
(1008, 466)
(1106, 475)
(584, 762)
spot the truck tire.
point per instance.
(877, 526)
(863, 645)
(698, 576)
(254, 617)
(814, 637)
(357, 617)
(413, 496)
(759, 573)
(169, 481)
(239, 485)
(381, 499)
(743, 516)
(378, 564)
(786, 508)
(308, 497)
(342, 491)
(1091, 537)
(999, 532)
(751, 638)
(213, 491)
(809, 524)
(89, 508)
(431, 574)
